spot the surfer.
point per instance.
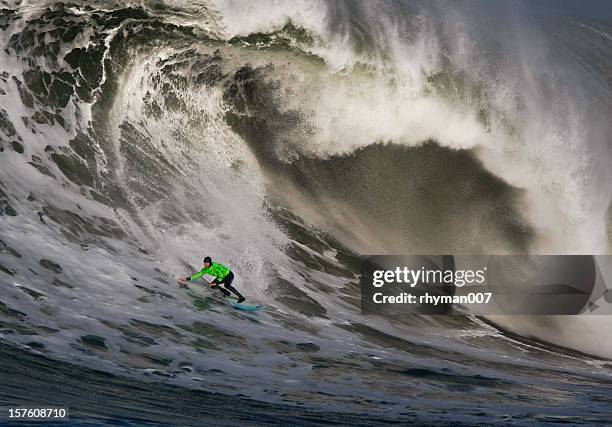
(222, 274)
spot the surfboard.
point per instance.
(244, 307)
(204, 303)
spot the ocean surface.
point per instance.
(288, 140)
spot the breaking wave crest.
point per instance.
(287, 139)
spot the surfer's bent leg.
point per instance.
(223, 291)
(227, 282)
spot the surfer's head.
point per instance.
(207, 262)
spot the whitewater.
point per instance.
(288, 140)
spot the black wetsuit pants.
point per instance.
(227, 283)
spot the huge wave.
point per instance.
(287, 139)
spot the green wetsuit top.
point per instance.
(219, 271)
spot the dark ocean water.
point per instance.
(96, 398)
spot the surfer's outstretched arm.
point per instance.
(191, 278)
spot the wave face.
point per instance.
(285, 139)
